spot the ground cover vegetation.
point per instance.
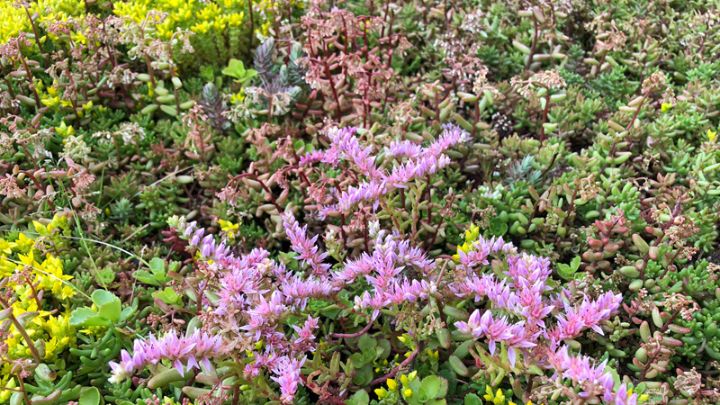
(359, 202)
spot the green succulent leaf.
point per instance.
(108, 305)
(236, 69)
(359, 398)
(433, 387)
(567, 271)
(90, 396)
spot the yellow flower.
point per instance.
(229, 228)
(407, 392)
(209, 12)
(497, 399)
(135, 10)
(235, 19)
(471, 235)
(381, 392)
(13, 21)
(392, 384)
(23, 243)
(201, 28)
(64, 130)
(665, 107)
(50, 102)
(711, 135)
(62, 335)
(6, 247)
(78, 37)
(237, 98)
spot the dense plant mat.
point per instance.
(359, 202)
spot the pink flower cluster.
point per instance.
(593, 380)
(522, 296)
(421, 162)
(253, 296)
(304, 246)
(183, 352)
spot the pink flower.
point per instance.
(306, 335)
(593, 380)
(184, 353)
(403, 149)
(422, 162)
(287, 375)
(495, 330)
(304, 246)
(589, 314)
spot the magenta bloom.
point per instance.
(304, 246)
(184, 353)
(494, 330)
(252, 296)
(421, 162)
(593, 379)
(521, 293)
(287, 375)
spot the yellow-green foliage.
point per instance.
(15, 18)
(219, 30)
(40, 292)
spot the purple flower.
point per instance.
(306, 335)
(589, 314)
(207, 248)
(197, 237)
(593, 379)
(287, 375)
(253, 295)
(189, 229)
(422, 162)
(346, 143)
(312, 157)
(367, 191)
(353, 269)
(184, 353)
(481, 249)
(495, 330)
(297, 291)
(304, 246)
(403, 149)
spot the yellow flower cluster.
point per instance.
(642, 398)
(711, 135)
(15, 19)
(35, 277)
(195, 15)
(498, 398)
(393, 386)
(471, 235)
(231, 230)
